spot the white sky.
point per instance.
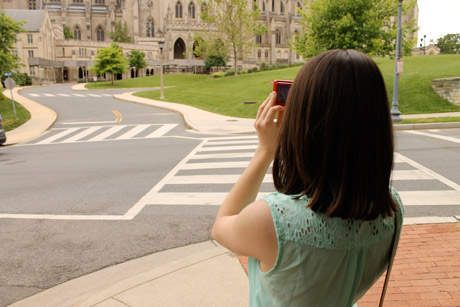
(438, 18)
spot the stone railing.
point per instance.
(447, 88)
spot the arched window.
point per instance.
(100, 34)
(281, 7)
(149, 28)
(178, 9)
(266, 54)
(191, 10)
(77, 33)
(179, 49)
(263, 5)
(259, 53)
(278, 37)
(273, 5)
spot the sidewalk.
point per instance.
(426, 270)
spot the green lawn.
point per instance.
(227, 95)
(6, 110)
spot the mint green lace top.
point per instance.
(322, 261)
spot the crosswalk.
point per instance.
(57, 95)
(207, 174)
(103, 133)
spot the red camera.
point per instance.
(281, 87)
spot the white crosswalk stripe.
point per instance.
(206, 175)
(104, 133)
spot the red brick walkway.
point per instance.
(426, 270)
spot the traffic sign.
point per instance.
(9, 83)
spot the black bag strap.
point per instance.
(392, 257)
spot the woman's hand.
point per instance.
(266, 126)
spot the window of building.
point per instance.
(266, 54)
(263, 5)
(77, 1)
(178, 9)
(77, 33)
(259, 53)
(150, 28)
(55, 1)
(32, 4)
(100, 1)
(273, 5)
(15, 52)
(31, 71)
(278, 37)
(118, 2)
(282, 7)
(30, 38)
(100, 34)
(258, 39)
(31, 53)
(191, 10)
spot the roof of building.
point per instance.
(33, 18)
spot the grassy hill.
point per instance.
(227, 95)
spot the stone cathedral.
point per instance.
(50, 57)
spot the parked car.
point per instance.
(2, 131)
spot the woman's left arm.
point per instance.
(242, 225)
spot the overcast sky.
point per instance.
(438, 18)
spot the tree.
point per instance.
(110, 60)
(449, 44)
(214, 52)
(136, 59)
(235, 25)
(68, 33)
(213, 60)
(121, 33)
(8, 30)
(365, 25)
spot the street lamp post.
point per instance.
(395, 114)
(161, 45)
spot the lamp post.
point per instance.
(161, 45)
(395, 114)
(424, 44)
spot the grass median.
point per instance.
(7, 112)
(229, 95)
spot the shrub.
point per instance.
(243, 72)
(229, 72)
(218, 74)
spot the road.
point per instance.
(114, 181)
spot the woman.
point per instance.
(326, 236)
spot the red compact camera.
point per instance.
(281, 87)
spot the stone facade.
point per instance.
(152, 21)
(448, 88)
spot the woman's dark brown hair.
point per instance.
(336, 141)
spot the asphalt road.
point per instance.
(114, 181)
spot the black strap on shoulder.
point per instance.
(392, 257)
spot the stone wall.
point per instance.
(447, 88)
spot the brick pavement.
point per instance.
(426, 270)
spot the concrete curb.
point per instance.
(197, 119)
(41, 119)
(185, 276)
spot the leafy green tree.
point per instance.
(234, 23)
(449, 44)
(214, 61)
(121, 33)
(68, 33)
(214, 52)
(136, 59)
(8, 30)
(365, 25)
(110, 60)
